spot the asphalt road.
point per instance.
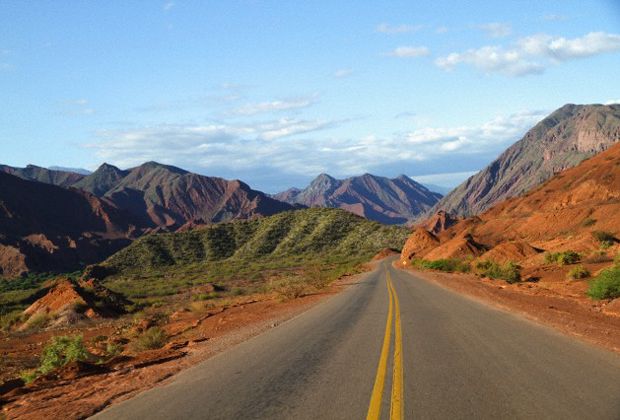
(443, 357)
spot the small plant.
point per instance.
(38, 321)
(509, 272)
(562, 258)
(606, 285)
(113, 349)
(606, 239)
(578, 272)
(8, 320)
(59, 351)
(153, 338)
(450, 265)
(617, 260)
(588, 221)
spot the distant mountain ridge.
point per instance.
(560, 141)
(392, 201)
(45, 227)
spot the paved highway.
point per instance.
(394, 346)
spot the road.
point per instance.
(394, 346)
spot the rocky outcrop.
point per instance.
(562, 140)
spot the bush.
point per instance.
(7, 320)
(606, 285)
(509, 272)
(153, 338)
(38, 320)
(59, 351)
(606, 239)
(290, 288)
(588, 222)
(562, 258)
(449, 265)
(617, 260)
(579, 272)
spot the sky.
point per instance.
(276, 92)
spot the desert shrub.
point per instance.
(606, 239)
(588, 221)
(562, 258)
(204, 296)
(290, 287)
(617, 260)
(38, 320)
(598, 256)
(449, 265)
(509, 272)
(113, 349)
(606, 285)
(153, 338)
(578, 272)
(8, 320)
(59, 351)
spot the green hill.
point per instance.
(326, 242)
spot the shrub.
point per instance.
(509, 272)
(153, 338)
(617, 260)
(579, 272)
(598, 256)
(606, 239)
(562, 258)
(290, 288)
(588, 222)
(38, 320)
(449, 265)
(59, 351)
(606, 285)
(7, 320)
(113, 349)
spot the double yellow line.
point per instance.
(397, 402)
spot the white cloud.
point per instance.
(386, 28)
(496, 29)
(441, 29)
(275, 106)
(533, 54)
(168, 5)
(409, 51)
(612, 102)
(342, 73)
(288, 146)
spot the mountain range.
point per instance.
(390, 201)
(560, 141)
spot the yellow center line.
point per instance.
(374, 409)
(397, 403)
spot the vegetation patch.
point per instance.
(450, 265)
(606, 239)
(153, 338)
(606, 285)
(578, 272)
(562, 258)
(509, 272)
(60, 351)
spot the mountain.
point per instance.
(48, 176)
(80, 171)
(560, 141)
(578, 209)
(170, 197)
(291, 235)
(44, 227)
(390, 201)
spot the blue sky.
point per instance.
(275, 92)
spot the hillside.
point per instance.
(61, 178)
(48, 228)
(327, 232)
(562, 140)
(169, 197)
(390, 201)
(577, 210)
